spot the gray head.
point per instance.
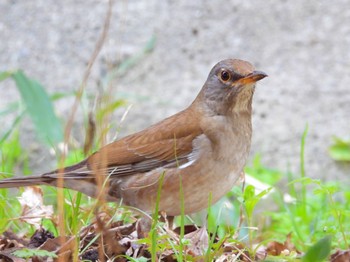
(230, 86)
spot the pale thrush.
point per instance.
(205, 146)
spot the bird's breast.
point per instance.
(216, 163)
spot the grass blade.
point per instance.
(40, 108)
(302, 170)
(7, 134)
(4, 75)
(153, 232)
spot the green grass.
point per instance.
(321, 211)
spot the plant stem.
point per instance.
(302, 169)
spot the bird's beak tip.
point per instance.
(253, 77)
(258, 75)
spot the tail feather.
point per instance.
(77, 171)
(77, 177)
(23, 181)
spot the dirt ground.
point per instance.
(304, 46)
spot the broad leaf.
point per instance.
(40, 108)
(319, 251)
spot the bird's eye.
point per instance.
(225, 75)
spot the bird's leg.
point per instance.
(143, 226)
(168, 220)
(171, 222)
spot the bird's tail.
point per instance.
(78, 177)
(77, 171)
(23, 181)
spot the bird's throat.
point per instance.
(243, 101)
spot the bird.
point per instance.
(196, 154)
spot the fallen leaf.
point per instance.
(90, 255)
(33, 208)
(341, 256)
(199, 242)
(39, 237)
(276, 248)
(62, 246)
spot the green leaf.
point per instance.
(319, 251)
(6, 135)
(27, 253)
(327, 189)
(305, 181)
(40, 108)
(139, 259)
(340, 150)
(10, 153)
(251, 199)
(5, 74)
(58, 95)
(10, 108)
(249, 192)
(109, 109)
(264, 174)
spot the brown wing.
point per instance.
(162, 144)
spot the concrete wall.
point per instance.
(304, 46)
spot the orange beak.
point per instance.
(252, 78)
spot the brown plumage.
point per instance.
(204, 146)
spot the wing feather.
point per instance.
(162, 144)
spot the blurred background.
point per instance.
(304, 47)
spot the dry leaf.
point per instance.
(341, 256)
(33, 208)
(62, 246)
(199, 242)
(39, 237)
(226, 257)
(90, 255)
(275, 248)
(8, 257)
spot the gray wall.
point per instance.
(304, 46)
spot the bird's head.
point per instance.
(230, 86)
